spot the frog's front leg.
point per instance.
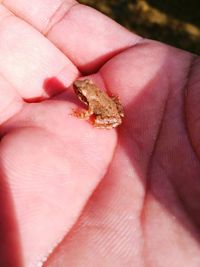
(83, 114)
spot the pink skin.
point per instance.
(126, 197)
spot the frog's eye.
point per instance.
(82, 98)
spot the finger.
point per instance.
(10, 101)
(29, 61)
(86, 36)
(41, 11)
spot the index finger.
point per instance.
(85, 36)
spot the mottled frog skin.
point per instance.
(107, 110)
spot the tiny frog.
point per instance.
(107, 110)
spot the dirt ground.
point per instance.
(175, 22)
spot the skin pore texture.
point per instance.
(71, 194)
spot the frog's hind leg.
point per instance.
(106, 123)
(119, 105)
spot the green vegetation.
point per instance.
(176, 22)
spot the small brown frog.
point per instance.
(107, 110)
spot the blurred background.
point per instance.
(175, 22)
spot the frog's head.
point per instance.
(81, 89)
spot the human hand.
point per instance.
(125, 197)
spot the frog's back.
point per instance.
(104, 105)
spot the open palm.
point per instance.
(74, 195)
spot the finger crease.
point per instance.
(58, 15)
(186, 88)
